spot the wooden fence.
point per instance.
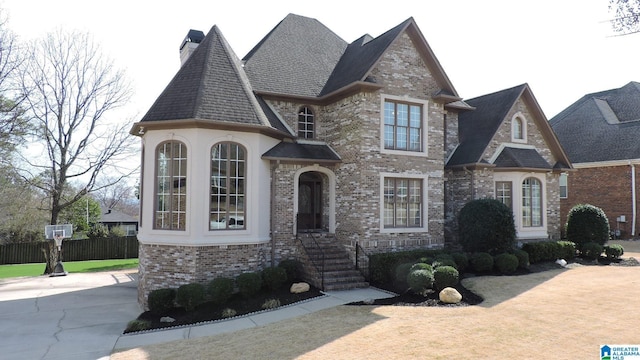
(72, 250)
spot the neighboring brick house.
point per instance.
(310, 134)
(600, 133)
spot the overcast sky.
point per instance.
(562, 48)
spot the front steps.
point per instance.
(339, 270)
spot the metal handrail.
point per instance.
(359, 252)
(319, 268)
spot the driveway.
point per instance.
(78, 316)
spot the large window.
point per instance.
(402, 126)
(504, 193)
(531, 202)
(402, 203)
(228, 187)
(306, 123)
(171, 186)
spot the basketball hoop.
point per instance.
(58, 233)
(58, 239)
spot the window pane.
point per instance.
(401, 138)
(402, 202)
(414, 139)
(389, 113)
(228, 172)
(403, 126)
(416, 116)
(171, 186)
(388, 137)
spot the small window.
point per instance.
(171, 186)
(517, 129)
(402, 203)
(531, 202)
(564, 188)
(402, 126)
(504, 193)
(306, 126)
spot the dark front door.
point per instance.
(310, 202)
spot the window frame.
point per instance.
(520, 119)
(228, 213)
(563, 183)
(501, 198)
(422, 204)
(528, 204)
(306, 117)
(181, 180)
(422, 132)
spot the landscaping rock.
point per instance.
(298, 288)
(167, 319)
(450, 295)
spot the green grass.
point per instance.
(9, 271)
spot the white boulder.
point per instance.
(297, 288)
(450, 295)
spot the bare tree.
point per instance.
(626, 16)
(114, 196)
(69, 88)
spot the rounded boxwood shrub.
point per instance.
(292, 267)
(523, 258)
(249, 283)
(613, 251)
(506, 263)
(481, 262)
(421, 266)
(190, 295)
(220, 290)
(444, 262)
(402, 271)
(274, 277)
(462, 260)
(445, 276)
(161, 300)
(486, 225)
(591, 250)
(587, 223)
(420, 280)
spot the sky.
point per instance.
(563, 49)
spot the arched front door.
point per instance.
(310, 202)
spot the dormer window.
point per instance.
(306, 127)
(518, 129)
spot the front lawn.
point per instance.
(9, 271)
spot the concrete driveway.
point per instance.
(78, 316)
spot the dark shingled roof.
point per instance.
(298, 151)
(476, 128)
(210, 85)
(602, 126)
(295, 58)
(521, 158)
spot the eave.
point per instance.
(141, 127)
(353, 88)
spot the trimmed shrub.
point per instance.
(591, 250)
(481, 262)
(462, 261)
(161, 300)
(523, 258)
(271, 304)
(220, 290)
(486, 225)
(506, 263)
(445, 276)
(587, 223)
(293, 268)
(138, 325)
(549, 250)
(421, 266)
(420, 280)
(274, 277)
(382, 266)
(190, 295)
(566, 250)
(402, 271)
(249, 283)
(613, 251)
(444, 262)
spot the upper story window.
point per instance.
(228, 187)
(402, 126)
(170, 186)
(564, 185)
(518, 129)
(306, 126)
(531, 202)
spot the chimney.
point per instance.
(189, 44)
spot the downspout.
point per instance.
(633, 198)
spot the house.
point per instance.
(112, 219)
(600, 134)
(507, 150)
(311, 145)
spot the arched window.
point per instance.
(228, 187)
(171, 186)
(306, 127)
(531, 202)
(517, 129)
